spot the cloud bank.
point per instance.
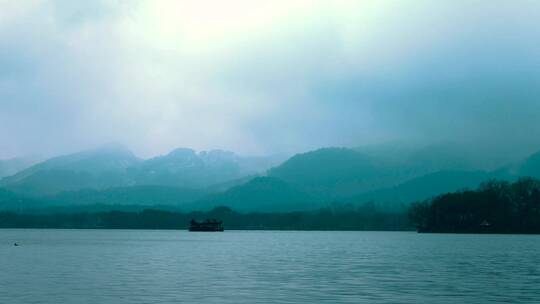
(263, 77)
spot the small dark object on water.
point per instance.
(210, 225)
(15, 244)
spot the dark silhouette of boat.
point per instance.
(210, 225)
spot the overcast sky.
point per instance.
(260, 77)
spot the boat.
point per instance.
(209, 225)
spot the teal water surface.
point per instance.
(134, 266)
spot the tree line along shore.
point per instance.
(494, 207)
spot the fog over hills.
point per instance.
(11, 166)
(115, 166)
(106, 166)
(531, 166)
(184, 179)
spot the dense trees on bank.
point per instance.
(495, 207)
(363, 218)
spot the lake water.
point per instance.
(134, 266)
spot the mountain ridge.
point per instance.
(184, 178)
(115, 166)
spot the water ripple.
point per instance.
(126, 266)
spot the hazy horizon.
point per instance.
(391, 151)
(268, 78)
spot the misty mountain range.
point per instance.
(11, 166)
(184, 179)
(115, 166)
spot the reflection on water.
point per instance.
(128, 266)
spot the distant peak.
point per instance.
(182, 152)
(217, 152)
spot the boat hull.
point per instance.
(197, 229)
(210, 225)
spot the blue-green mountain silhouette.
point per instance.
(188, 180)
(424, 187)
(13, 201)
(332, 173)
(134, 195)
(115, 166)
(99, 168)
(11, 166)
(531, 166)
(260, 194)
